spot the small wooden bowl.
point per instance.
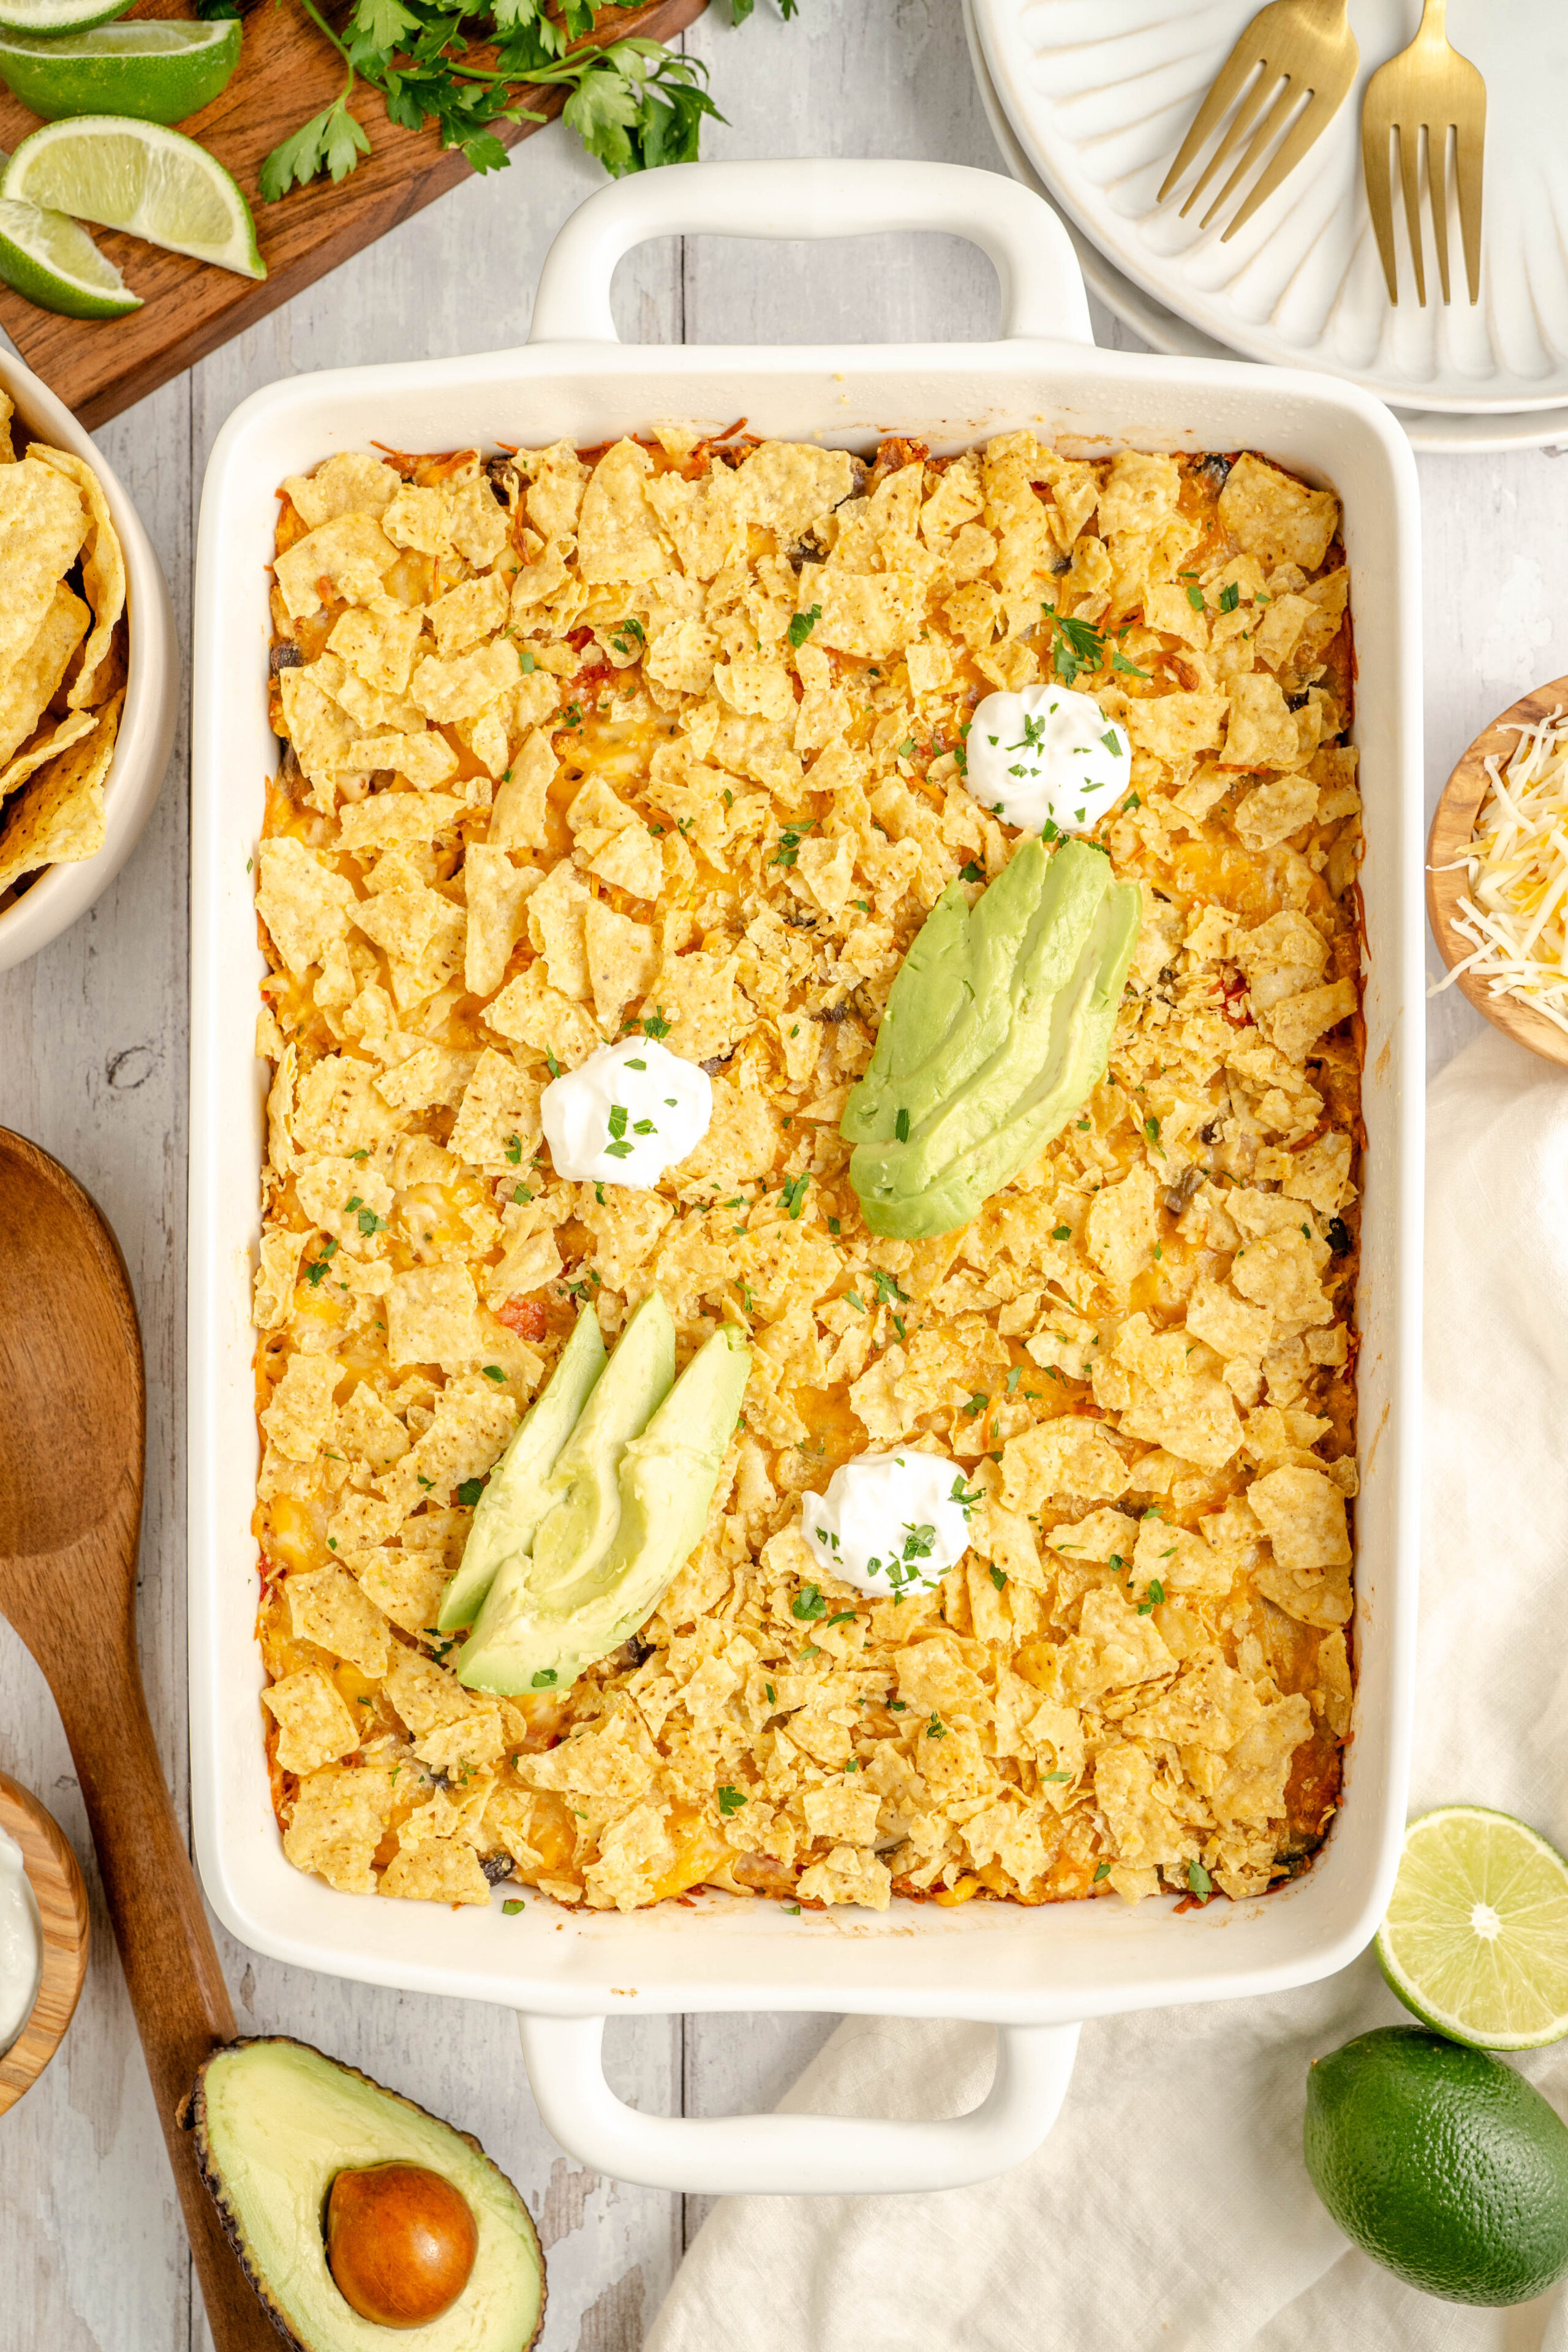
(51, 1868)
(1453, 824)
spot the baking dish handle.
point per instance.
(1042, 289)
(794, 2156)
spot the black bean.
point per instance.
(285, 654)
(496, 1866)
(1216, 468)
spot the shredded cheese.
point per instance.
(1514, 913)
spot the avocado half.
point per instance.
(275, 2122)
(998, 1027)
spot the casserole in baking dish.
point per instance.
(686, 746)
(979, 1958)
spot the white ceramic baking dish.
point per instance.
(1033, 1972)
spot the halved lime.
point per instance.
(47, 257)
(1476, 1940)
(57, 15)
(158, 69)
(142, 177)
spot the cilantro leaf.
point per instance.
(332, 141)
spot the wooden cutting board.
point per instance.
(287, 74)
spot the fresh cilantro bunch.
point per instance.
(634, 104)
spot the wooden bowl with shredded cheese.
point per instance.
(1496, 873)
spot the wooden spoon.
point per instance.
(1453, 824)
(56, 1882)
(72, 1406)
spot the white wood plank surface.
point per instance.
(92, 1058)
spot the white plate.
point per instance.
(1100, 96)
(1436, 432)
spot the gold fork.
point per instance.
(1429, 85)
(1303, 45)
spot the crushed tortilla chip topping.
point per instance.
(668, 739)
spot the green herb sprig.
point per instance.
(634, 104)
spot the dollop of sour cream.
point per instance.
(21, 1943)
(889, 1523)
(625, 1114)
(1047, 756)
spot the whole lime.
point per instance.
(1441, 2163)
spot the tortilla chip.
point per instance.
(618, 537)
(304, 903)
(314, 1725)
(350, 553)
(432, 1318)
(496, 1125)
(350, 483)
(102, 574)
(378, 641)
(424, 760)
(43, 523)
(327, 1607)
(621, 957)
(29, 686)
(56, 736)
(7, 410)
(468, 684)
(57, 816)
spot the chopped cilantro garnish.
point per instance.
(544, 1678)
(808, 1604)
(514, 1149)
(1230, 596)
(794, 1192)
(902, 1125)
(998, 1578)
(512, 1906)
(802, 626)
(470, 1491)
(1199, 1881)
(1195, 596)
(730, 1801)
(493, 1372)
(654, 1023)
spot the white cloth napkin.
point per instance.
(1170, 2209)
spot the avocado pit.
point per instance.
(401, 2242)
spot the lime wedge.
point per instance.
(47, 257)
(157, 69)
(1476, 1940)
(57, 15)
(140, 177)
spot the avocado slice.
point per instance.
(275, 2122)
(517, 1496)
(542, 1625)
(937, 1133)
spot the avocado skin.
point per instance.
(1037, 991)
(667, 1477)
(517, 1496)
(351, 2332)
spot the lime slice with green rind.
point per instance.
(48, 16)
(158, 69)
(140, 177)
(1476, 1940)
(51, 260)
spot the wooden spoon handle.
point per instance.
(171, 1964)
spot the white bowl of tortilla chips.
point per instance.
(89, 669)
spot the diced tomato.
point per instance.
(526, 1317)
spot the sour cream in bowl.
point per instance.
(625, 1114)
(21, 1943)
(889, 1524)
(1047, 757)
